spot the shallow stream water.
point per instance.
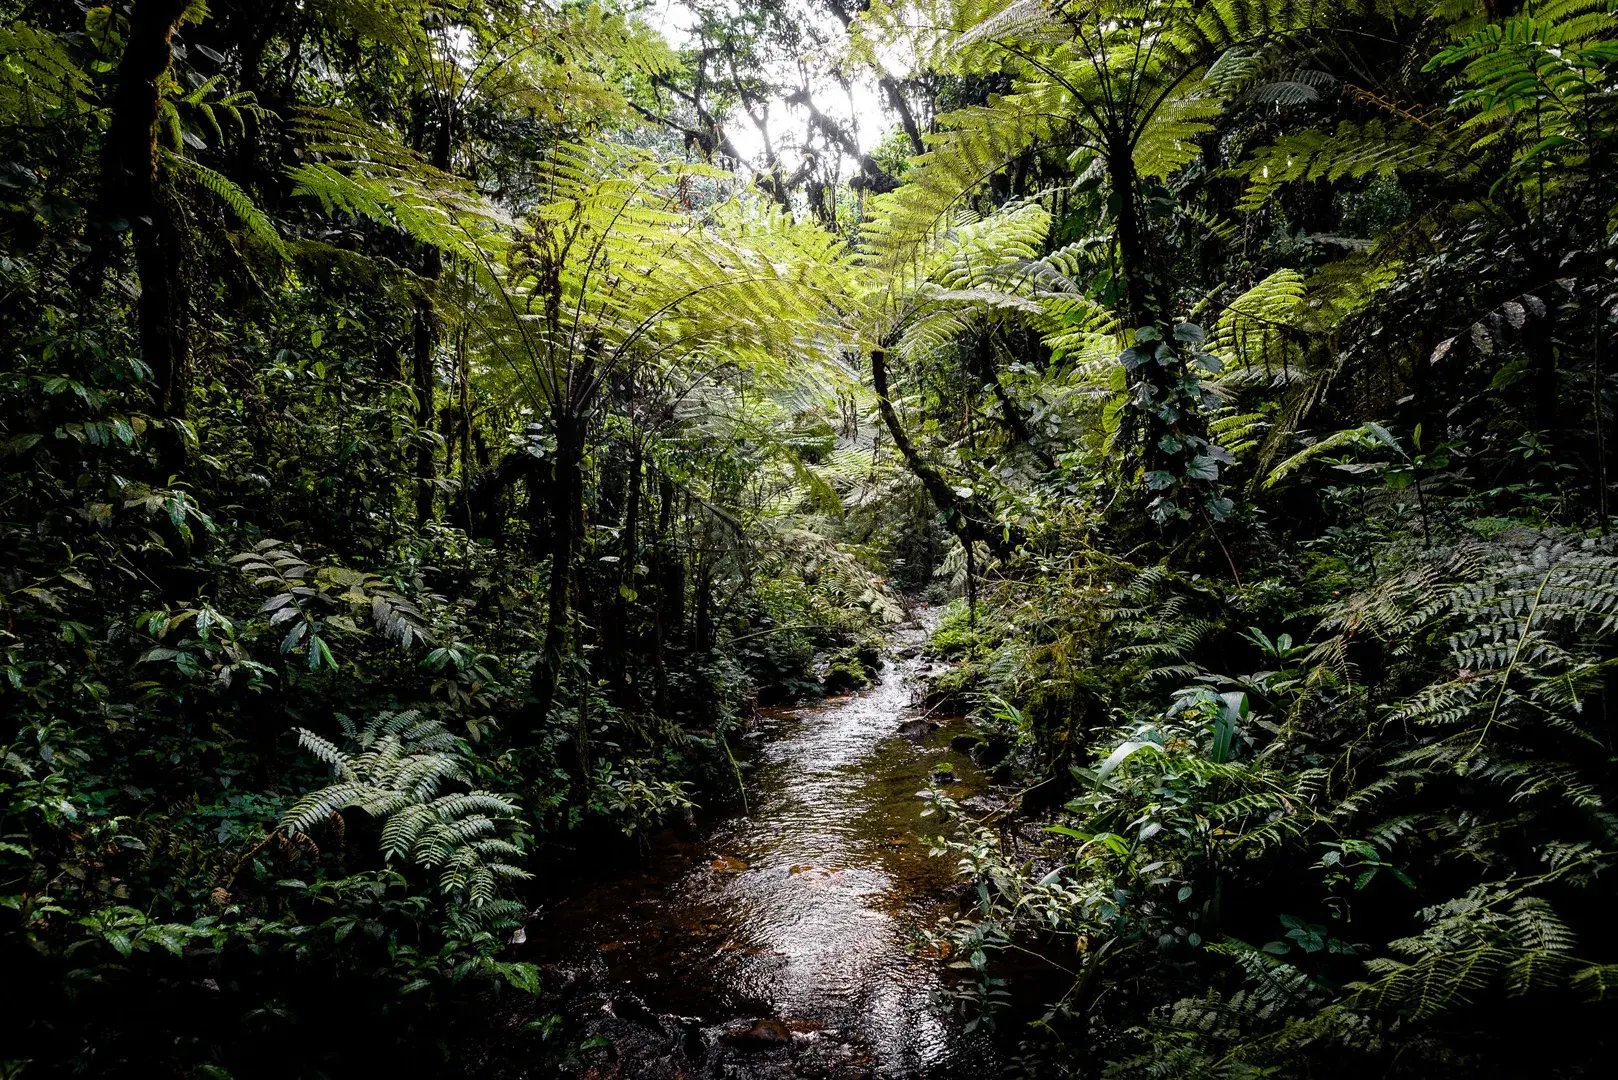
(786, 942)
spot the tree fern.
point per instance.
(256, 222)
(413, 776)
(1353, 151)
(1081, 80)
(39, 79)
(368, 173)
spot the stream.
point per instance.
(786, 942)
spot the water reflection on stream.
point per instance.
(805, 911)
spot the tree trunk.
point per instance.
(424, 338)
(1139, 293)
(962, 514)
(907, 117)
(971, 586)
(426, 335)
(668, 581)
(703, 633)
(1141, 309)
(616, 631)
(131, 190)
(1011, 414)
(567, 513)
(1542, 354)
(485, 494)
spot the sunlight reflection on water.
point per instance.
(809, 902)
(807, 909)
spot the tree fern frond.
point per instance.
(39, 80)
(399, 778)
(256, 222)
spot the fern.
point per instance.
(368, 173)
(39, 80)
(256, 222)
(1353, 151)
(412, 775)
(1367, 436)
(1152, 83)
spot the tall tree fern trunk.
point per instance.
(1138, 293)
(424, 339)
(132, 190)
(1542, 361)
(463, 429)
(615, 633)
(1139, 283)
(567, 513)
(425, 332)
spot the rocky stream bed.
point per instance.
(787, 941)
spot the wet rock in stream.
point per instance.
(918, 729)
(756, 1033)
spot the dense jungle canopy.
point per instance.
(432, 429)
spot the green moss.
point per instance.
(954, 636)
(846, 672)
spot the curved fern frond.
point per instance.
(254, 220)
(403, 763)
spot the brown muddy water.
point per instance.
(786, 942)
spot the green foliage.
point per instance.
(427, 234)
(254, 220)
(1478, 740)
(376, 360)
(39, 79)
(397, 773)
(631, 795)
(367, 173)
(1172, 402)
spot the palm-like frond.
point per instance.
(39, 80)
(367, 172)
(413, 776)
(255, 221)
